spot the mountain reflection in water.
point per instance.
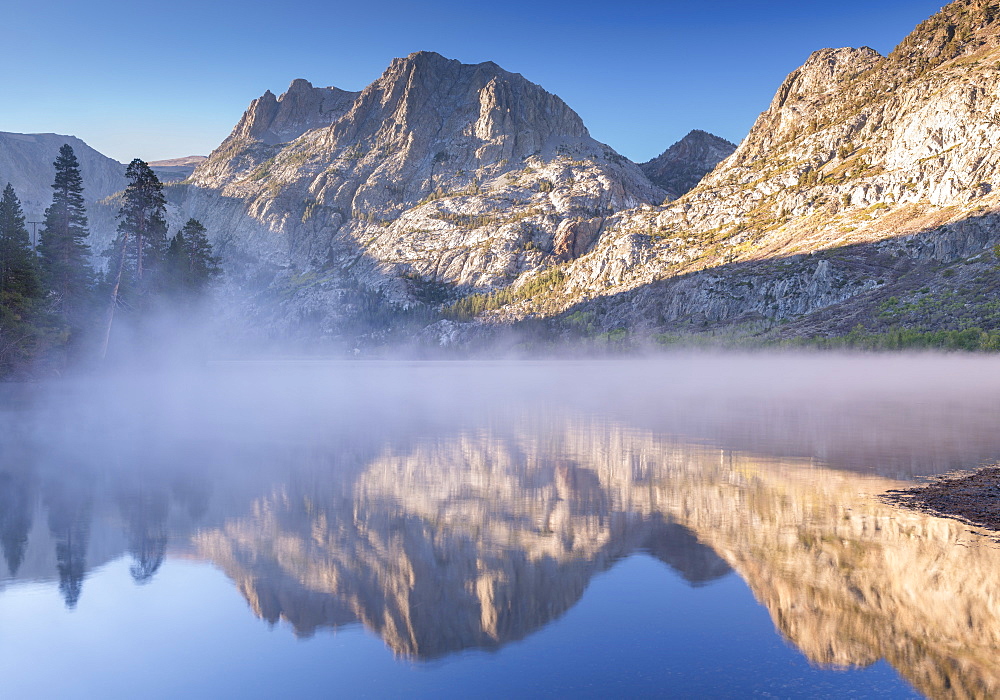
(444, 530)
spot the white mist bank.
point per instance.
(901, 414)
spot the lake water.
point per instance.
(680, 527)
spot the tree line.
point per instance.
(55, 307)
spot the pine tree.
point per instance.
(62, 248)
(142, 233)
(137, 256)
(16, 514)
(20, 286)
(190, 260)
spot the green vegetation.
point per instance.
(969, 340)
(54, 311)
(62, 247)
(190, 265)
(21, 291)
(475, 304)
(468, 221)
(430, 292)
(262, 170)
(354, 153)
(473, 188)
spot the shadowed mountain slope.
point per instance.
(680, 168)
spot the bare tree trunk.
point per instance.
(114, 296)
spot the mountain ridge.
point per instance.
(680, 168)
(883, 169)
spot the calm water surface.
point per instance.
(678, 528)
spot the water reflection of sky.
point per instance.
(496, 530)
(638, 631)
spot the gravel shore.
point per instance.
(973, 498)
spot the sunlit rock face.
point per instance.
(864, 168)
(350, 215)
(443, 172)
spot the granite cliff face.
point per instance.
(437, 178)
(444, 193)
(869, 178)
(680, 168)
(865, 177)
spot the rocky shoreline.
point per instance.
(973, 498)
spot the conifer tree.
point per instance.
(190, 261)
(19, 281)
(137, 256)
(62, 248)
(142, 232)
(16, 515)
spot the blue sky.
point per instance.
(165, 79)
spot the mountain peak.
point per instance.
(682, 166)
(485, 113)
(299, 85)
(301, 108)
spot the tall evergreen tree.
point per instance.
(142, 227)
(17, 507)
(191, 264)
(19, 282)
(135, 272)
(62, 247)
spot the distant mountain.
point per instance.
(176, 169)
(680, 168)
(26, 163)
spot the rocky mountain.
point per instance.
(865, 195)
(450, 204)
(680, 168)
(26, 163)
(438, 179)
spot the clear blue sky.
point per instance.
(165, 79)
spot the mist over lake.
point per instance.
(686, 525)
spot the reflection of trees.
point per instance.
(17, 505)
(144, 513)
(69, 504)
